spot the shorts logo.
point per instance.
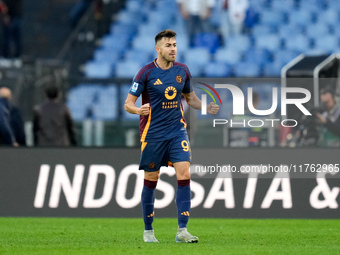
(134, 87)
(186, 213)
(152, 165)
(170, 93)
(179, 79)
(151, 215)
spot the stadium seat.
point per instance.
(316, 52)
(80, 100)
(317, 30)
(247, 69)
(333, 5)
(106, 55)
(200, 56)
(257, 56)
(316, 6)
(271, 17)
(182, 43)
(123, 31)
(106, 105)
(210, 41)
(196, 69)
(284, 56)
(298, 43)
(127, 69)
(260, 30)
(180, 27)
(159, 18)
(288, 31)
(329, 16)
(133, 6)
(272, 69)
(144, 42)
(104, 112)
(149, 29)
(326, 43)
(300, 17)
(269, 41)
(98, 69)
(116, 43)
(228, 55)
(109, 92)
(260, 4)
(124, 17)
(217, 69)
(239, 42)
(138, 55)
(167, 6)
(288, 5)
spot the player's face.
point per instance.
(167, 49)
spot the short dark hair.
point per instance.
(168, 33)
(52, 91)
(327, 89)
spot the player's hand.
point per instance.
(145, 109)
(213, 108)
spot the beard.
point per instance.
(167, 57)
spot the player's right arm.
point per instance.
(130, 106)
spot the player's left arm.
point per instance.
(194, 102)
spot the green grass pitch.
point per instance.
(124, 236)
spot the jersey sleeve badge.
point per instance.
(134, 87)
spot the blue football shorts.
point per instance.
(164, 153)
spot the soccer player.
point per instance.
(164, 139)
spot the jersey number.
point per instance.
(185, 145)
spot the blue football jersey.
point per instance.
(163, 90)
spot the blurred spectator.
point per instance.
(196, 14)
(16, 121)
(329, 120)
(11, 20)
(6, 133)
(233, 17)
(52, 124)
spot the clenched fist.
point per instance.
(213, 108)
(145, 109)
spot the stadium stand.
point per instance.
(280, 33)
(93, 101)
(313, 26)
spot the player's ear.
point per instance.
(157, 49)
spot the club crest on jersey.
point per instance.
(134, 87)
(179, 79)
(170, 93)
